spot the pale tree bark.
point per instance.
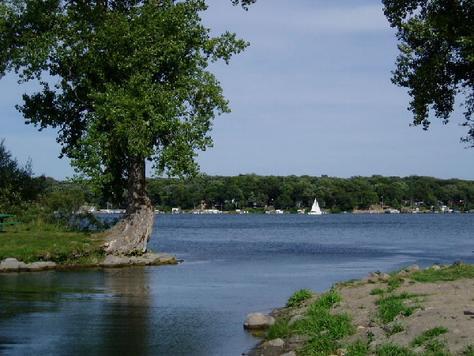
(131, 235)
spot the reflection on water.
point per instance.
(233, 265)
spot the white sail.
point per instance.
(315, 209)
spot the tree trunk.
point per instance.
(131, 234)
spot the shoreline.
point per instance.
(410, 312)
(12, 265)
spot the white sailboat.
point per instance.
(315, 209)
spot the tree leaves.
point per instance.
(436, 60)
(121, 79)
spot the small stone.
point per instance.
(360, 327)
(435, 267)
(291, 353)
(412, 268)
(468, 312)
(341, 352)
(295, 318)
(298, 339)
(258, 321)
(276, 343)
(419, 350)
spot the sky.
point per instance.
(311, 95)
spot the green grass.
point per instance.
(436, 348)
(396, 328)
(389, 307)
(323, 328)
(468, 351)
(298, 298)
(429, 335)
(451, 273)
(44, 242)
(394, 282)
(377, 291)
(358, 348)
(280, 329)
(393, 350)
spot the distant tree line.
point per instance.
(292, 192)
(21, 191)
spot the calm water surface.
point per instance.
(233, 265)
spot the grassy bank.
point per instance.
(45, 242)
(411, 312)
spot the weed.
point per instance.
(377, 291)
(396, 328)
(394, 282)
(469, 350)
(393, 305)
(451, 273)
(298, 298)
(435, 348)
(324, 328)
(359, 348)
(280, 329)
(429, 335)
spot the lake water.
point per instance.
(233, 265)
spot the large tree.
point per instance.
(123, 82)
(436, 60)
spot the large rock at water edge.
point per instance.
(11, 264)
(41, 266)
(258, 321)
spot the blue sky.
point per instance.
(311, 95)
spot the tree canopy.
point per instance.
(17, 184)
(123, 81)
(436, 60)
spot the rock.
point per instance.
(276, 343)
(385, 277)
(258, 321)
(419, 350)
(295, 318)
(115, 261)
(41, 266)
(11, 264)
(412, 268)
(298, 339)
(375, 333)
(291, 353)
(341, 352)
(360, 327)
(469, 312)
(435, 267)
(167, 259)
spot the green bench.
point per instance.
(5, 221)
